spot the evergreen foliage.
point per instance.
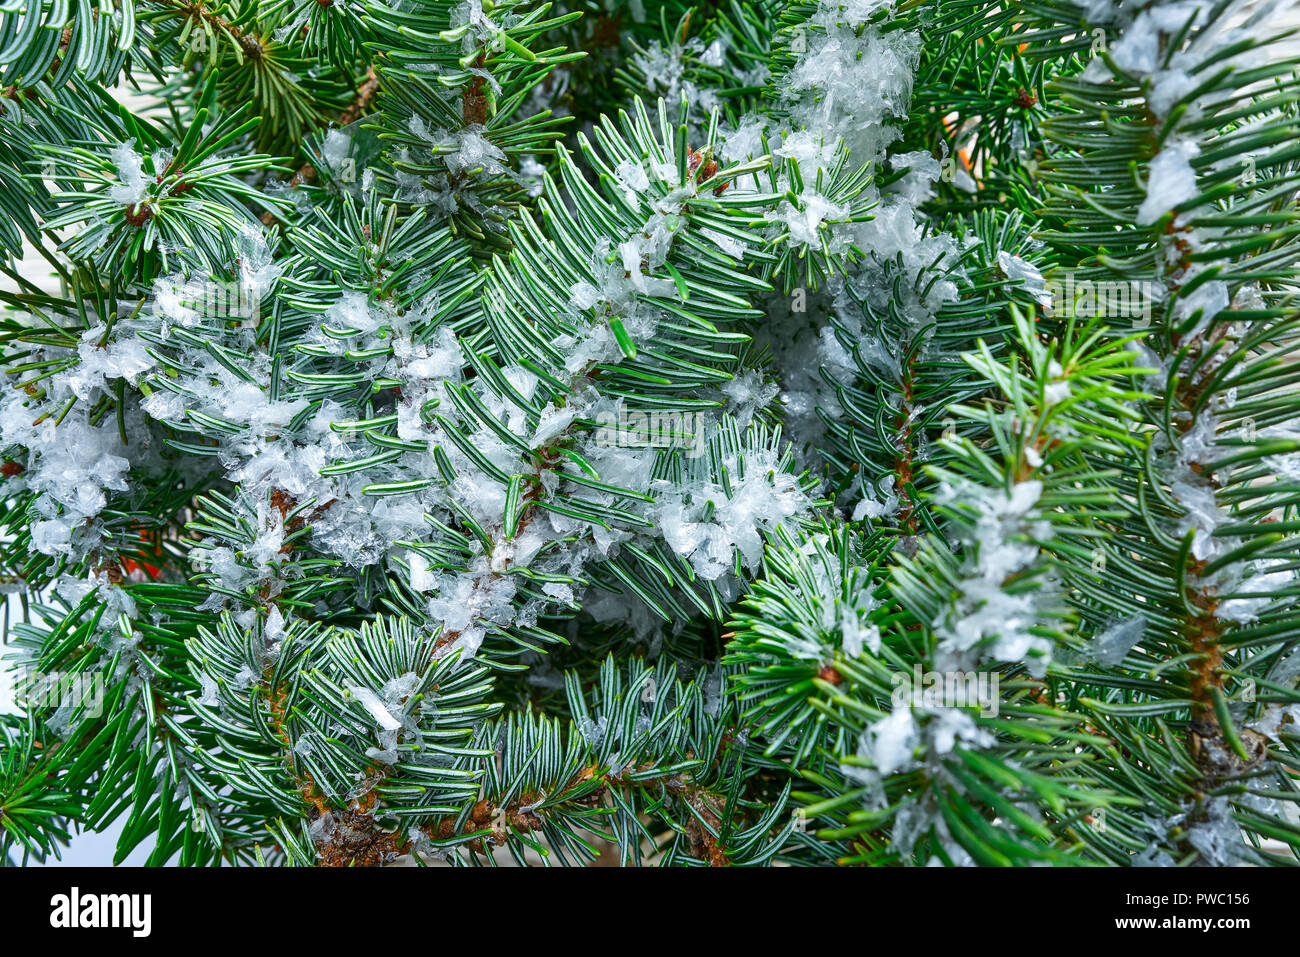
(837, 432)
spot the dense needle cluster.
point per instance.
(836, 432)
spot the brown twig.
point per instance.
(518, 813)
